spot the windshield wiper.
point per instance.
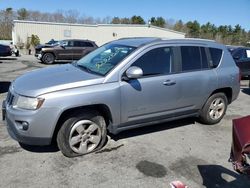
(87, 69)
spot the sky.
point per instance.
(218, 12)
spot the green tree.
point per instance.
(137, 20)
(35, 40)
(116, 20)
(179, 26)
(159, 21)
(208, 31)
(22, 14)
(125, 21)
(193, 29)
(237, 35)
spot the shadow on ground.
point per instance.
(220, 177)
(40, 149)
(246, 91)
(8, 58)
(153, 128)
(4, 87)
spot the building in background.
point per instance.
(22, 31)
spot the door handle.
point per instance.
(169, 82)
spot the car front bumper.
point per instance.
(38, 56)
(40, 127)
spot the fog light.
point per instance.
(23, 125)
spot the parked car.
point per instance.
(232, 48)
(124, 84)
(14, 49)
(5, 50)
(241, 56)
(65, 50)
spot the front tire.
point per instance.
(82, 133)
(214, 109)
(48, 58)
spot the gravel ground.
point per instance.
(147, 157)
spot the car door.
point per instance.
(78, 49)
(64, 51)
(195, 78)
(81, 48)
(153, 96)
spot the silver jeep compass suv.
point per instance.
(124, 84)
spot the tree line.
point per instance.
(226, 34)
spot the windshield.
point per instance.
(105, 58)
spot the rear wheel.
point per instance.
(48, 58)
(82, 133)
(214, 109)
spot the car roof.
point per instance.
(136, 41)
(141, 41)
(4, 45)
(84, 40)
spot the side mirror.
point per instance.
(63, 45)
(134, 72)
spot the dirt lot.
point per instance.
(147, 157)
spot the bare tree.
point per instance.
(6, 17)
(71, 16)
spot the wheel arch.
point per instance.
(227, 91)
(49, 52)
(101, 108)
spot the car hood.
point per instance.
(52, 79)
(40, 46)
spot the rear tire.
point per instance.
(214, 109)
(82, 133)
(48, 58)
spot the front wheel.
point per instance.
(48, 58)
(214, 109)
(82, 133)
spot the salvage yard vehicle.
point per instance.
(241, 56)
(240, 149)
(65, 50)
(5, 50)
(124, 84)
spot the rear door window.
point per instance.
(191, 58)
(82, 44)
(88, 44)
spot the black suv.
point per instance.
(5, 50)
(65, 50)
(241, 57)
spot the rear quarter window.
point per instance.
(88, 44)
(215, 56)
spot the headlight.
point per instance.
(28, 103)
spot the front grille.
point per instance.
(10, 98)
